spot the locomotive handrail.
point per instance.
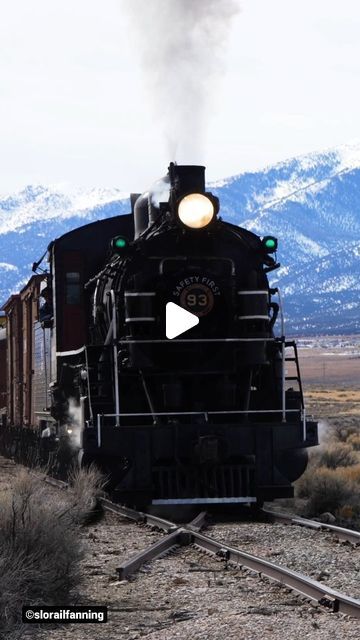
(115, 354)
(194, 413)
(283, 390)
(169, 341)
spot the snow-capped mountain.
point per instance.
(44, 204)
(311, 203)
(30, 219)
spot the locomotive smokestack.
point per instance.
(166, 194)
(186, 178)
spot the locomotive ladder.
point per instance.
(295, 358)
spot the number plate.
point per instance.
(198, 299)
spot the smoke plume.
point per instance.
(181, 45)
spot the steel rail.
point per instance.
(329, 598)
(348, 535)
(60, 484)
(341, 533)
(189, 534)
(198, 522)
(166, 544)
(180, 536)
(138, 516)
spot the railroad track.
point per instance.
(177, 536)
(347, 535)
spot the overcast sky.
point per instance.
(75, 107)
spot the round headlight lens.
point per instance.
(196, 210)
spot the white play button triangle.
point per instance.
(178, 320)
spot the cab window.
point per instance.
(72, 287)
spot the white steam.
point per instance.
(181, 44)
(73, 425)
(323, 432)
(160, 191)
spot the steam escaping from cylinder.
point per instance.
(181, 44)
(324, 432)
(73, 424)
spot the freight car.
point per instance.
(205, 415)
(2, 368)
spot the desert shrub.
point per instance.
(39, 551)
(326, 490)
(342, 430)
(351, 474)
(303, 486)
(338, 454)
(86, 486)
(347, 512)
(354, 441)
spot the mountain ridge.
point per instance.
(311, 203)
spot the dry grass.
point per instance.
(338, 454)
(332, 480)
(86, 486)
(40, 547)
(341, 429)
(334, 395)
(350, 474)
(354, 440)
(326, 491)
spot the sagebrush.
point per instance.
(331, 482)
(40, 544)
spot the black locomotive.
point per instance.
(210, 416)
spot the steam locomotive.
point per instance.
(209, 416)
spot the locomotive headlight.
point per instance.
(196, 210)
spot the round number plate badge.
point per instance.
(198, 299)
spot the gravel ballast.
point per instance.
(191, 595)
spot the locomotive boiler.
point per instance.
(212, 415)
